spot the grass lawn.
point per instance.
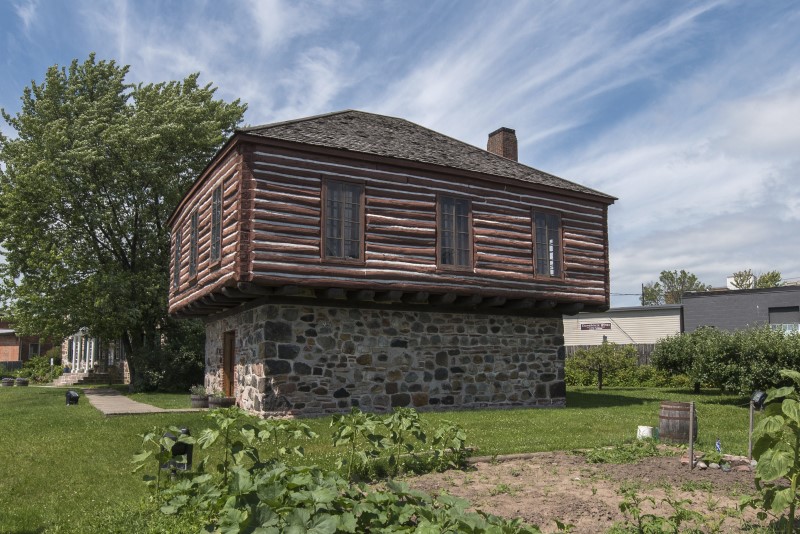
(62, 465)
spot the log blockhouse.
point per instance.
(353, 259)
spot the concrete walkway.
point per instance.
(112, 402)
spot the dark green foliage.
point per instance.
(739, 362)
(177, 362)
(258, 493)
(38, 369)
(377, 447)
(595, 365)
(86, 186)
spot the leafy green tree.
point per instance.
(745, 279)
(670, 288)
(86, 188)
(769, 279)
(601, 360)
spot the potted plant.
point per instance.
(21, 381)
(199, 396)
(218, 399)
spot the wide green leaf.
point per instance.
(773, 465)
(791, 408)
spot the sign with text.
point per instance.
(595, 326)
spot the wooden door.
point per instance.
(228, 346)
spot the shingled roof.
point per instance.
(380, 135)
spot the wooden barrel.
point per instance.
(673, 422)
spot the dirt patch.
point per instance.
(549, 486)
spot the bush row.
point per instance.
(619, 369)
(738, 362)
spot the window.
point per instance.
(455, 243)
(216, 224)
(343, 221)
(547, 244)
(176, 273)
(785, 318)
(193, 246)
(33, 350)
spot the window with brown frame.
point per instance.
(193, 246)
(216, 224)
(547, 244)
(343, 232)
(453, 227)
(176, 275)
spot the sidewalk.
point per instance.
(112, 402)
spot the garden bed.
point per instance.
(547, 486)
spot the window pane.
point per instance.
(547, 244)
(454, 232)
(343, 220)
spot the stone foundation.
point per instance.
(309, 360)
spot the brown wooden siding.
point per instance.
(209, 275)
(272, 213)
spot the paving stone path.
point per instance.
(112, 402)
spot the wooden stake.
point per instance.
(691, 435)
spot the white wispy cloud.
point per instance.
(27, 11)
(687, 112)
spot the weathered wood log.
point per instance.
(331, 293)
(388, 296)
(443, 300)
(418, 297)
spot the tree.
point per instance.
(606, 358)
(745, 279)
(670, 288)
(87, 186)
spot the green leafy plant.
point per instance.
(157, 447)
(279, 434)
(777, 449)
(624, 453)
(198, 390)
(449, 446)
(597, 363)
(403, 425)
(358, 432)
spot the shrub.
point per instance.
(38, 370)
(738, 362)
(599, 365)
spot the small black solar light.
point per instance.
(758, 399)
(72, 397)
(179, 449)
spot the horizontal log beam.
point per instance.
(418, 297)
(492, 302)
(443, 300)
(388, 296)
(468, 301)
(362, 295)
(333, 293)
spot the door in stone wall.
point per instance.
(228, 345)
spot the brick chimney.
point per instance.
(503, 142)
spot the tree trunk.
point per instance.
(697, 387)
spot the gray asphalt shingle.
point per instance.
(380, 135)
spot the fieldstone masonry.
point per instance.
(302, 359)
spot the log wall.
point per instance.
(272, 202)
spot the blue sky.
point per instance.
(689, 112)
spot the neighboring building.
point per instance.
(743, 308)
(641, 326)
(353, 259)
(15, 350)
